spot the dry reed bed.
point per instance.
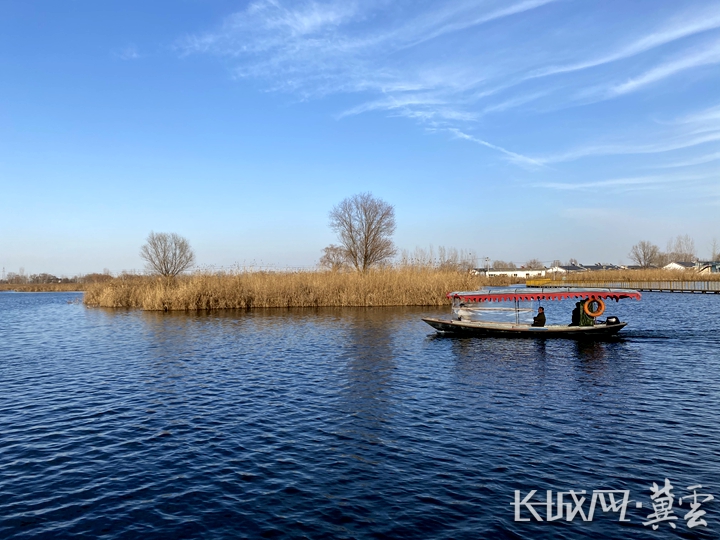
(245, 290)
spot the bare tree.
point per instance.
(534, 264)
(503, 265)
(419, 258)
(644, 253)
(682, 249)
(715, 250)
(17, 278)
(460, 260)
(664, 258)
(167, 254)
(334, 258)
(454, 259)
(364, 226)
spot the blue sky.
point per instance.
(518, 129)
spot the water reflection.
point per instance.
(590, 351)
(368, 357)
(541, 349)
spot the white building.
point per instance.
(510, 272)
(682, 265)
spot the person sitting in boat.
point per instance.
(539, 319)
(576, 314)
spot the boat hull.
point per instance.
(509, 330)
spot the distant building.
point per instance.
(680, 265)
(638, 267)
(564, 269)
(600, 266)
(510, 272)
(708, 267)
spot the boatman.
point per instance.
(539, 320)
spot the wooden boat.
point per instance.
(471, 309)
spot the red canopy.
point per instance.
(527, 294)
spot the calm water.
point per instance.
(352, 423)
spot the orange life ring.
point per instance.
(599, 311)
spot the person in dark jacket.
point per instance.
(539, 319)
(576, 314)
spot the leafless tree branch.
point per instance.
(167, 254)
(645, 253)
(364, 225)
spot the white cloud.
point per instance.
(515, 101)
(513, 156)
(128, 53)
(693, 59)
(627, 183)
(707, 158)
(469, 19)
(319, 48)
(615, 182)
(676, 29)
(315, 48)
(435, 62)
(685, 141)
(710, 115)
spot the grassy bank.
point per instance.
(204, 291)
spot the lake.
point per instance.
(351, 423)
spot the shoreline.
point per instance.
(385, 287)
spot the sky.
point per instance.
(515, 129)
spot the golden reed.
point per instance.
(245, 290)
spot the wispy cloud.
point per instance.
(629, 148)
(709, 115)
(431, 109)
(700, 160)
(706, 56)
(632, 183)
(512, 156)
(318, 48)
(614, 183)
(515, 101)
(677, 28)
(462, 66)
(468, 19)
(127, 53)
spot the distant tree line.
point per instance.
(364, 226)
(444, 259)
(679, 249)
(20, 278)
